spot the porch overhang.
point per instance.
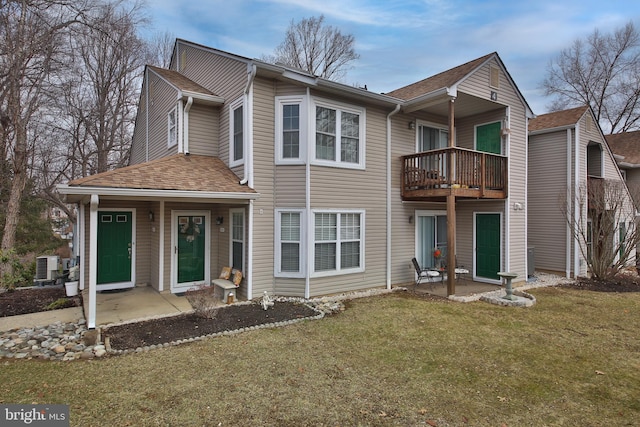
(77, 194)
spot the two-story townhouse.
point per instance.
(308, 186)
(567, 155)
(625, 147)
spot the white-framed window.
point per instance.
(237, 239)
(289, 259)
(338, 242)
(291, 133)
(339, 135)
(236, 133)
(431, 136)
(172, 127)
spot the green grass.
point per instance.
(571, 360)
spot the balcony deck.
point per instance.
(474, 175)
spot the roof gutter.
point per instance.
(141, 192)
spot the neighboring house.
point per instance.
(626, 150)
(567, 153)
(308, 186)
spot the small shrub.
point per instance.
(59, 303)
(203, 301)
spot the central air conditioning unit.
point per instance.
(47, 268)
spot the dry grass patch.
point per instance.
(570, 360)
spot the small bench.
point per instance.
(226, 286)
(228, 281)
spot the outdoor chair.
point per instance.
(423, 274)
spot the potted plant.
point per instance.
(71, 285)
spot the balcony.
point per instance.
(433, 175)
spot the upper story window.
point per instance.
(172, 127)
(291, 135)
(339, 135)
(236, 137)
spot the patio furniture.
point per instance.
(423, 274)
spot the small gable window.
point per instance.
(494, 77)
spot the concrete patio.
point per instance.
(134, 304)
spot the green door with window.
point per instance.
(488, 246)
(191, 248)
(115, 247)
(488, 138)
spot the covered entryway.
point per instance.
(116, 250)
(487, 243)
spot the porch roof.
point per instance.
(557, 119)
(445, 79)
(625, 146)
(176, 176)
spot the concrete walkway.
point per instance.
(134, 304)
(112, 307)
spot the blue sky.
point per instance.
(403, 41)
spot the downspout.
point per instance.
(248, 170)
(307, 208)
(187, 107)
(395, 111)
(93, 260)
(576, 213)
(180, 118)
(507, 241)
(248, 93)
(146, 106)
(568, 209)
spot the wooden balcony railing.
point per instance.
(457, 171)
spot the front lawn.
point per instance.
(572, 360)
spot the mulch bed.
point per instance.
(170, 329)
(620, 283)
(34, 300)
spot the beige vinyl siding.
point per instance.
(547, 185)
(290, 186)
(139, 140)
(163, 98)
(263, 165)
(204, 130)
(339, 188)
(478, 85)
(224, 76)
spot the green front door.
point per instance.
(191, 248)
(488, 138)
(488, 246)
(115, 247)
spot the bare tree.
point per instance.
(33, 45)
(606, 228)
(160, 49)
(602, 71)
(317, 48)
